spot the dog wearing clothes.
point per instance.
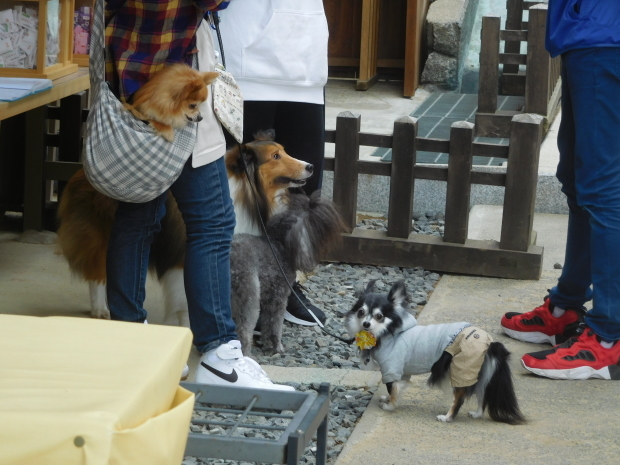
(460, 353)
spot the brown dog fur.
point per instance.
(86, 216)
(171, 98)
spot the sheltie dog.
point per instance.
(456, 353)
(86, 217)
(298, 237)
(171, 98)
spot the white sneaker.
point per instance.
(226, 366)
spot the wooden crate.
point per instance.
(64, 63)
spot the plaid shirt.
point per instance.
(143, 35)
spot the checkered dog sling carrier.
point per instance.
(124, 157)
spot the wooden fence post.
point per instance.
(345, 166)
(521, 181)
(459, 182)
(537, 87)
(489, 65)
(402, 179)
(514, 18)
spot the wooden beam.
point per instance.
(34, 185)
(369, 44)
(345, 166)
(402, 179)
(521, 180)
(537, 86)
(489, 64)
(459, 182)
(494, 124)
(479, 258)
(415, 22)
(514, 17)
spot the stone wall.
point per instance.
(449, 26)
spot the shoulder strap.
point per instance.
(97, 45)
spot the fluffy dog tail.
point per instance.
(499, 394)
(307, 229)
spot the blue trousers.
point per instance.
(589, 170)
(204, 201)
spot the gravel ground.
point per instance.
(331, 287)
(347, 406)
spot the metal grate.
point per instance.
(233, 435)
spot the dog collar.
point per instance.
(365, 340)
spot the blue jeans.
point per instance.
(589, 170)
(204, 201)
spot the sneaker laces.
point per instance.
(243, 364)
(298, 288)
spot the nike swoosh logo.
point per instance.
(230, 377)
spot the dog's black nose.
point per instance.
(198, 118)
(309, 168)
(366, 324)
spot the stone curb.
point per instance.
(334, 376)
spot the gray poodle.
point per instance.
(299, 236)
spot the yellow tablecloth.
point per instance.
(81, 391)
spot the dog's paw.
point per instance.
(163, 130)
(475, 414)
(389, 407)
(100, 313)
(384, 399)
(444, 418)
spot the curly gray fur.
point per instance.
(299, 235)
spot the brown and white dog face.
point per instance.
(271, 171)
(275, 168)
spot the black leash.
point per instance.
(216, 25)
(275, 255)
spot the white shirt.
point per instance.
(210, 142)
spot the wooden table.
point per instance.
(34, 152)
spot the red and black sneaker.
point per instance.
(580, 357)
(540, 326)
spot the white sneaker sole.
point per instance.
(583, 372)
(534, 337)
(298, 321)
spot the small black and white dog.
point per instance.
(299, 235)
(459, 353)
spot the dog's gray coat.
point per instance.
(299, 236)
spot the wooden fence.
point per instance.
(514, 256)
(540, 85)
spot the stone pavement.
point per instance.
(569, 421)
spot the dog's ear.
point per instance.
(209, 77)
(268, 134)
(248, 154)
(370, 287)
(398, 293)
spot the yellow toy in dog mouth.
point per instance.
(365, 340)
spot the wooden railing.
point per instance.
(540, 85)
(513, 257)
